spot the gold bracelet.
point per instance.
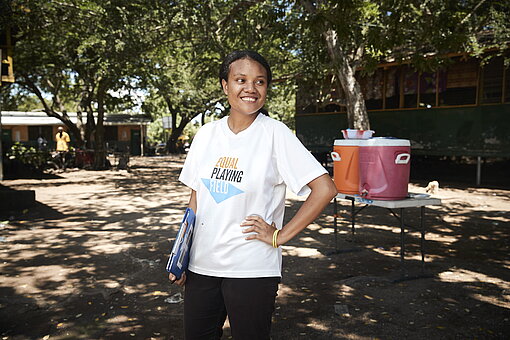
(275, 237)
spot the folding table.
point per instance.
(412, 201)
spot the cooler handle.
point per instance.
(335, 156)
(406, 157)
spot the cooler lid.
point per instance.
(349, 142)
(384, 141)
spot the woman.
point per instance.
(238, 169)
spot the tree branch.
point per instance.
(308, 5)
(472, 12)
(358, 56)
(28, 83)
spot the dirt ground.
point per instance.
(88, 262)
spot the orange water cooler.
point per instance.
(345, 158)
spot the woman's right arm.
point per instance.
(193, 205)
(193, 201)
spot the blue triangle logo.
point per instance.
(221, 190)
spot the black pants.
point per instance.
(249, 304)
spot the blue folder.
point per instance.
(179, 257)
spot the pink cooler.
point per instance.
(384, 166)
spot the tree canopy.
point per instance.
(346, 36)
(84, 52)
(92, 55)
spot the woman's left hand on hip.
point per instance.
(259, 228)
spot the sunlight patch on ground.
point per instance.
(307, 239)
(464, 275)
(498, 301)
(393, 229)
(449, 239)
(497, 219)
(168, 226)
(408, 256)
(301, 252)
(120, 319)
(286, 291)
(105, 246)
(392, 252)
(329, 218)
(345, 291)
(318, 325)
(444, 230)
(326, 231)
(314, 226)
(432, 257)
(53, 277)
(483, 237)
(108, 283)
(506, 265)
(92, 222)
(455, 219)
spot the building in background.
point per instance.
(123, 133)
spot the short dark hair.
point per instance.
(245, 54)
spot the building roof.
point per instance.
(41, 118)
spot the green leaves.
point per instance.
(172, 49)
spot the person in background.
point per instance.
(238, 169)
(63, 140)
(41, 143)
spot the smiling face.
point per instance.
(246, 87)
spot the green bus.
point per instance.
(462, 110)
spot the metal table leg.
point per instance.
(335, 224)
(402, 244)
(422, 240)
(402, 236)
(335, 216)
(353, 214)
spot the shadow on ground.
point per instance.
(88, 262)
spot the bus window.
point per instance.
(461, 80)
(428, 89)
(409, 87)
(492, 81)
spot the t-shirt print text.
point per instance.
(224, 172)
(226, 169)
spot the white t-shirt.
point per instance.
(237, 175)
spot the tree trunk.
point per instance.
(173, 145)
(202, 119)
(357, 116)
(73, 129)
(81, 126)
(87, 128)
(99, 142)
(90, 129)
